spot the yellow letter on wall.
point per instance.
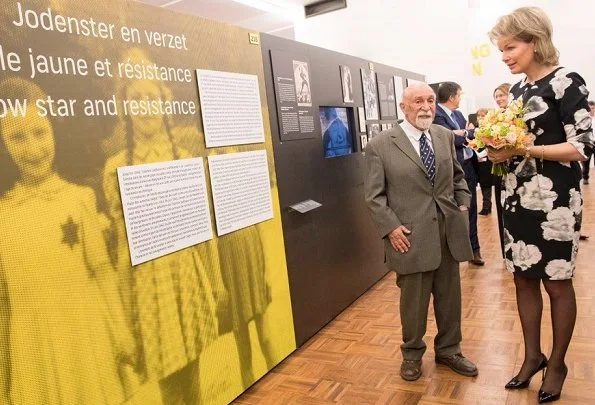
(477, 68)
(475, 52)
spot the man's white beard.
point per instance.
(423, 123)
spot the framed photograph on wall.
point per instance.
(411, 81)
(373, 131)
(398, 83)
(370, 90)
(301, 76)
(361, 115)
(386, 97)
(293, 96)
(363, 141)
(346, 84)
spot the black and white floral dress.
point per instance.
(542, 202)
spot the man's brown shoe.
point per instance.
(458, 363)
(477, 259)
(410, 370)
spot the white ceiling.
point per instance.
(258, 15)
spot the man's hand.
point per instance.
(398, 239)
(459, 132)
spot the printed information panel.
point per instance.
(165, 207)
(231, 110)
(241, 190)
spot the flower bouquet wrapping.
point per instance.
(502, 128)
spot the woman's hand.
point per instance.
(502, 154)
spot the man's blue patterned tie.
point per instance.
(427, 157)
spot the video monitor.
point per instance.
(336, 124)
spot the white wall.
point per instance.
(404, 34)
(574, 36)
(436, 38)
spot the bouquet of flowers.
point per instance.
(502, 128)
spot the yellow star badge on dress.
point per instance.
(70, 232)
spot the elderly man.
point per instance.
(417, 196)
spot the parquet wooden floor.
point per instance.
(355, 359)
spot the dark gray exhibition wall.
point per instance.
(334, 253)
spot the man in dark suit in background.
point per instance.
(447, 115)
(587, 163)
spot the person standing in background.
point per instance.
(587, 163)
(502, 97)
(448, 116)
(485, 178)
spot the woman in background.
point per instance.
(486, 179)
(542, 208)
(501, 96)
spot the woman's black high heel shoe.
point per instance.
(543, 397)
(516, 384)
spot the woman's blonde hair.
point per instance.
(530, 25)
(504, 88)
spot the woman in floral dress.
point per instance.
(542, 209)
